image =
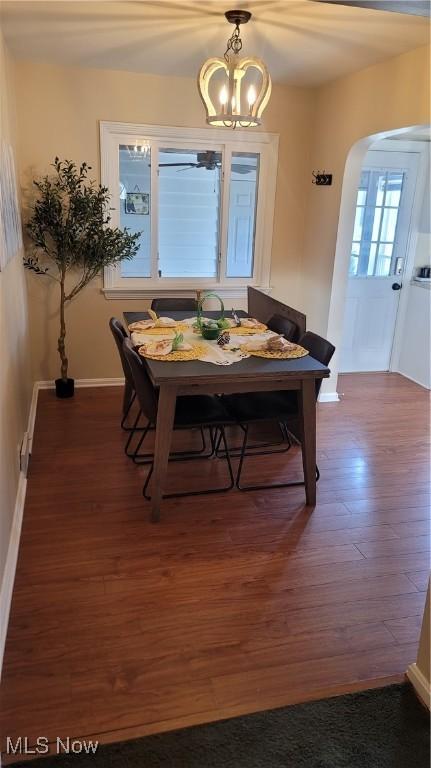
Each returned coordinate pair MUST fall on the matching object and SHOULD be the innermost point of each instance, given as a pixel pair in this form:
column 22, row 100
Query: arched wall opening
column 351, row 176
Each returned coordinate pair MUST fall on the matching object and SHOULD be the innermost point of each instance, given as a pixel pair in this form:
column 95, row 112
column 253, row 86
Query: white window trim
column 111, row 133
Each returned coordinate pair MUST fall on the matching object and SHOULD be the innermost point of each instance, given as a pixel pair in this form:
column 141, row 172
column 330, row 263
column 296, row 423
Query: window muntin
column 375, row 227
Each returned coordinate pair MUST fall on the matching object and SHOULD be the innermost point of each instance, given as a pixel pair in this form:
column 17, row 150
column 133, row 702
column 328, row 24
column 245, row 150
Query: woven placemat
column 241, row 331
column 289, row 354
column 178, row 356
column 163, row 330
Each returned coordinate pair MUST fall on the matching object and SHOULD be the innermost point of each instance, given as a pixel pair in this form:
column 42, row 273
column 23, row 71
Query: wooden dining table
column 252, row 374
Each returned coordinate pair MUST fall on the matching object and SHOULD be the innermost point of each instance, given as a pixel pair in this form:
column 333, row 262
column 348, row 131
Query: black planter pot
column 64, row 387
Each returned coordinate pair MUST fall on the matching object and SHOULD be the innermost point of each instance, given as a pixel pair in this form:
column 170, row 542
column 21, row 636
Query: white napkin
column 159, row 347
column 150, row 342
column 140, row 337
column 165, row 322
column 141, row 325
column 250, row 322
column 272, row 343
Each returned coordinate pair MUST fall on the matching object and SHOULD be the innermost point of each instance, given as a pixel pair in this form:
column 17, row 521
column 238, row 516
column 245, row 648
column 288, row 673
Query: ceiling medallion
column 239, row 82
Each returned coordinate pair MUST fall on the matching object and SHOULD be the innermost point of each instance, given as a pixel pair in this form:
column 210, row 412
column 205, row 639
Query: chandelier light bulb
column 140, row 150
column 251, row 96
column 223, row 96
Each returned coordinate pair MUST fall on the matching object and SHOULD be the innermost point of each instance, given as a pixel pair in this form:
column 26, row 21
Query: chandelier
column 244, row 84
column 140, row 151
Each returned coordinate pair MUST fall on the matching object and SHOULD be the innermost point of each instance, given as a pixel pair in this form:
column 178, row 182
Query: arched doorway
column 342, row 261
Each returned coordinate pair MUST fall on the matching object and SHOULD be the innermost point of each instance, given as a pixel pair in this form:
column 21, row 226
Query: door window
column 243, row 187
column 375, row 228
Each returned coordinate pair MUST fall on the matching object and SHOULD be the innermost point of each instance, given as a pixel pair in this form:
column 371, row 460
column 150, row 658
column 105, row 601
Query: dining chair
column 288, row 329
column 180, row 305
column 129, row 395
column 120, row 334
column 282, row 406
column 194, row 411
column 283, row 326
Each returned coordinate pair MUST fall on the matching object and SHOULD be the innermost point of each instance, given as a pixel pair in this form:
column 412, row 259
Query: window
column 203, row 202
column 375, row 228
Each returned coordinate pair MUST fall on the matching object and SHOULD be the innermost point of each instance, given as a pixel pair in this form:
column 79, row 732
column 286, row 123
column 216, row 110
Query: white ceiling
column 303, row 42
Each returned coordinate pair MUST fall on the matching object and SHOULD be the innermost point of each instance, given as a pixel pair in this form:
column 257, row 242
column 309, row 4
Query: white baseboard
column 114, row 382
column 32, row 415
column 420, row 684
column 10, row 567
column 411, row 378
column 6, row 588
column 329, row 397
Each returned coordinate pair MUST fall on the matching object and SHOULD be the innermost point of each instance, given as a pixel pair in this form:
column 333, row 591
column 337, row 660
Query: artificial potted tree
column 72, row 241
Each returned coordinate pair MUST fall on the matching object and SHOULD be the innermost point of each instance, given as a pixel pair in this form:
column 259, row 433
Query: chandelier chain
column 234, row 43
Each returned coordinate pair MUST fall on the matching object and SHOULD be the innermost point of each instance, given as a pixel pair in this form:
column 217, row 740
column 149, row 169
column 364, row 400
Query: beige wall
column 15, row 378
column 58, row 113
column 390, row 95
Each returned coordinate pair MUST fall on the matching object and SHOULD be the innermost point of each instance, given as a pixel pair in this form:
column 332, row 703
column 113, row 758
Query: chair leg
column 256, row 448
column 268, row 486
column 241, row 458
column 128, row 400
column 147, row 458
column 190, row 458
column 132, row 433
column 142, row 458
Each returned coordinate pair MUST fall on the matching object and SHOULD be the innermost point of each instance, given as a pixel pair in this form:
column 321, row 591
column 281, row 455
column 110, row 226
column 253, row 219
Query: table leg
column 308, row 422
column 164, row 426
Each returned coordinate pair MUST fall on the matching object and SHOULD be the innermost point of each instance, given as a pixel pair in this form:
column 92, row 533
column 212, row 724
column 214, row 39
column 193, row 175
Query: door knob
column 396, row 286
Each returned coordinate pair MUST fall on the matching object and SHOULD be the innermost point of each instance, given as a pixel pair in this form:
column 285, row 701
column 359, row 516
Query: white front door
column 377, row 262
column 241, row 230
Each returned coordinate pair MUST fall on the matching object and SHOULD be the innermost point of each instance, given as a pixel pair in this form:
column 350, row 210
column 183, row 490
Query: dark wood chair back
column 181, row 305
column 284, row 326
column 263, row 307
column 319, row 348
column 144, row 389
column 119, row 333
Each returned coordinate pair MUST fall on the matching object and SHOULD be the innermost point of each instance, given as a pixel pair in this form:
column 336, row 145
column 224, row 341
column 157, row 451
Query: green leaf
column 68, row 225
column 178, row 339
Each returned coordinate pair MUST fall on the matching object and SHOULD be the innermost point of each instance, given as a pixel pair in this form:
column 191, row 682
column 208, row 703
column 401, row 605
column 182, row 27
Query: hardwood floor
column 233, row 603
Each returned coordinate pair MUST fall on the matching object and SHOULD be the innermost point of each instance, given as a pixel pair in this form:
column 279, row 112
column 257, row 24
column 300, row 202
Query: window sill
column 225, row 292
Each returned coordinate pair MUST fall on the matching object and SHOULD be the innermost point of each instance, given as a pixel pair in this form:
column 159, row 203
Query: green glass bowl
column 210, row 333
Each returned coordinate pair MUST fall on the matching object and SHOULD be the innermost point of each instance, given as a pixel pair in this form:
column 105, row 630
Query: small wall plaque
column 322, row 179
